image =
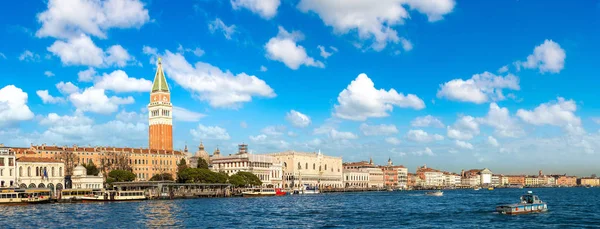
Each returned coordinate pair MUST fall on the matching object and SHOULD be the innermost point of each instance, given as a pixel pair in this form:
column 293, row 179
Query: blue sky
column 508, row 85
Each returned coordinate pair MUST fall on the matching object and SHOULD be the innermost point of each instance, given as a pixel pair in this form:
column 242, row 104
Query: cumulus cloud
column 547, row 57
column 492, row 141
column 219, row 26
column 86, row 75
column 341, row 135
column 427, row 121
column 185, row 115
column 267, row 9
column 393, row 140
column 209, row 132
column 81, row 50
column 66, row 88
column 95, row 100
column 197, row 51
column 361, row 100
column 274, row 130
column 464, row 145
column 556, row 113
column 324, row 52
column 284, row 48
column 268, row 142
column 479, row 89
column 209, row 83
column 47, row 98
column 504, row 125
column 373, row 130
column 48, row 74
column 422, row 136
column 13, row 106
column 298, row 119
column 119, row 81
column 263, row 68
column 427, row 151
column 29, row 56
column 66, row 19
column 465, row 128
column 374, row 22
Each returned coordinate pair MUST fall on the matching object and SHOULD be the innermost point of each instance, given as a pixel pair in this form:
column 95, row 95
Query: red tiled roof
column 37, row 159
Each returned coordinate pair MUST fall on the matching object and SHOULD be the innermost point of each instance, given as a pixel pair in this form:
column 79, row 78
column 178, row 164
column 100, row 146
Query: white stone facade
column 8, row 171
column 402, row 177
column 356, row 179
column 313, row 169
column 265, row 167
column 376, row 179
column 40, row 173
column 80, row 179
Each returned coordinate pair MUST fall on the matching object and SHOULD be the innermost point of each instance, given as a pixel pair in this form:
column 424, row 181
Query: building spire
column 160, row 82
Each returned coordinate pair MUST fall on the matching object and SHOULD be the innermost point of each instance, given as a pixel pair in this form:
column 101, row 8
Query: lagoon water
column 568, row 208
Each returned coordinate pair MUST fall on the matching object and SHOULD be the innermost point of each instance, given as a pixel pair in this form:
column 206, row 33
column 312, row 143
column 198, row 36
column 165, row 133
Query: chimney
column 462, row 173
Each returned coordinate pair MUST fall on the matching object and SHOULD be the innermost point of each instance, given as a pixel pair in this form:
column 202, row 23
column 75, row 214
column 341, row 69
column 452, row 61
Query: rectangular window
column 1, row 161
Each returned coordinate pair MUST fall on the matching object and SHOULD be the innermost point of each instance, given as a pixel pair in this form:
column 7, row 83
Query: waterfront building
column 451, row 179
column 160, row 110
column 496, row 180
column 354, row 178
column 588, row 181
column 534, row 181
column 564, row 180
column 391, row 174
column 516, row 180
column 376, row 174
column 402, row 177
column 314, row 169
column 412, row 180
column 504, row 180
column 36, row 172
column 201, row 153
column 267, row 168
column 145, row 163
column 359, row 165
column 429, row 177
column 471, row 178
column 80, row 179
column 7, row 168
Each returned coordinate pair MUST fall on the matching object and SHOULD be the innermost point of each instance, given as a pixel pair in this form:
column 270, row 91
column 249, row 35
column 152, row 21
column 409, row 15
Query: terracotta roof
column 38, row 159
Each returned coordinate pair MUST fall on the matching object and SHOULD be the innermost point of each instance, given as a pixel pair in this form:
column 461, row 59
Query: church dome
column 79, row 171
column 202, row 153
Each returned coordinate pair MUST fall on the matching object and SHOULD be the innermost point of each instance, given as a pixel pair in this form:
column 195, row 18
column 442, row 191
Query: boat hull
column 257, row 194
column 517, row 209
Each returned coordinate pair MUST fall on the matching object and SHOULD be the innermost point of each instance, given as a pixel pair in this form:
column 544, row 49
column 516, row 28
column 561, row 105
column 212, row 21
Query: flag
column 45, row 173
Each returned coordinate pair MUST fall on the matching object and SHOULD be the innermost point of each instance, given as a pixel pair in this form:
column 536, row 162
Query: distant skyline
column 507, row 85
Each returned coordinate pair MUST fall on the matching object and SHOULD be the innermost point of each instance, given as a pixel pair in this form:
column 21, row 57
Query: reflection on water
column 568, row 208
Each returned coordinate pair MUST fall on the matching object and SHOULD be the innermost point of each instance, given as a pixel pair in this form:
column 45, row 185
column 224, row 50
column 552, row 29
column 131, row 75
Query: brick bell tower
column 160, row 109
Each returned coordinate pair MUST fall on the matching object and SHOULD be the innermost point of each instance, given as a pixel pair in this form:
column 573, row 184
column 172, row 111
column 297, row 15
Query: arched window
column 20, row 171
column 314, row 166
column 37, row 171
column 299, row 166
column 60, row 171
column 325, row 167
column 319, row 168
column 306, row 166
column 28, row 171
column 53, row 171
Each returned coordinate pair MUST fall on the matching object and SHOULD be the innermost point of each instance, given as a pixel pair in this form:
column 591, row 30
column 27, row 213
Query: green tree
column 195, row 175
column 162, row 177
column 237, row 181
column 182, row 165
column 121, row 175
column 202, row 164
column 250, row 179
column 91, row 169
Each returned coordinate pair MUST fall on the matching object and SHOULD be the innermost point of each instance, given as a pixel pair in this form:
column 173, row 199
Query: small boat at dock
column 529, row 204
column 259, row 192
column 491, row 188
column 476, row 188
column 435, row 193
column 25, row 196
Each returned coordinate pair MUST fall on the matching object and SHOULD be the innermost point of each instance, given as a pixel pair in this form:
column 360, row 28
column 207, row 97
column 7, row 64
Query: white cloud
column 427, row 121
column 465, row 128
column 47, row 98
column 393, row 140
column 209, row 83
column 361, row 100
column 218, row 25
column 263, row 68
column 118, row 56
column 427, row 151
column 548, row 57
column 493, row 142
column 340, row 135
column 503, row 69
column 243, row 124
column 596, row 120
column 95, row 100
column 406, row 45
column 374, row 130
column 78, row 51
column 66, row 19
column 297, row 119
column 209, row 132
column 324, row 52
column 66, row 88
column 131, row 116
column 267, row 9
column 86, row 75
column 29, row 56
column 48, row 74
column 184, row 115
column 119, row 81
column 464, row 145
column 197, row 51
column 274, row 130
column 373, row 22
column 284, row 48
column 556, row 113
column 504, row 125
column 479, row 89
column 266, row 141
column 150, row 50
column 422, row 136
column 13, row 106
